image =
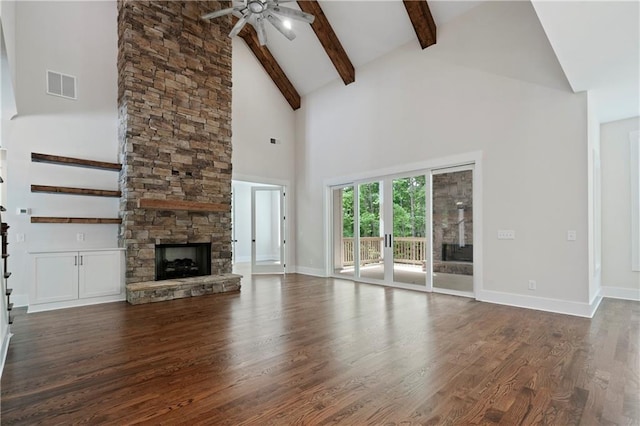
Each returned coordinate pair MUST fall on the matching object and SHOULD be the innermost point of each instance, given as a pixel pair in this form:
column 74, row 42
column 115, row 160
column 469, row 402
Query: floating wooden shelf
column 8, row 292
column 78, row 162
column 86, row 220
column 194, row 206
column 10, row 307
column 74, row 191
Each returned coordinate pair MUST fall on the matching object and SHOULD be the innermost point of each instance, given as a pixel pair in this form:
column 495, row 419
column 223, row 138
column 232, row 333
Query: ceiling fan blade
column 238, row 26
column 292, row 13
column 218, row 13
column 277, row 22
column 262, row 34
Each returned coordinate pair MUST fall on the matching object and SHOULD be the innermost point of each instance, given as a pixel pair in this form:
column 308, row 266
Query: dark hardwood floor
column 303, row 350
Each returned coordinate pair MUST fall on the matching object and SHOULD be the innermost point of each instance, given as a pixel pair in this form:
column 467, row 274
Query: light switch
column 571, row 235
column 506, row 234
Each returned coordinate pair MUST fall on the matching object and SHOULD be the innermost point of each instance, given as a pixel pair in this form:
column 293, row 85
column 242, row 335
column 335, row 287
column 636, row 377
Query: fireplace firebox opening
column 182, row 260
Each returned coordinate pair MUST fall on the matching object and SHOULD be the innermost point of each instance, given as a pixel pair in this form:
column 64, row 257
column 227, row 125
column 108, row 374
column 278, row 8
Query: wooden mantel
column 192, row 206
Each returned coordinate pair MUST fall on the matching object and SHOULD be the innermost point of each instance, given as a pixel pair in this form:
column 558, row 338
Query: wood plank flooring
column 314, row 351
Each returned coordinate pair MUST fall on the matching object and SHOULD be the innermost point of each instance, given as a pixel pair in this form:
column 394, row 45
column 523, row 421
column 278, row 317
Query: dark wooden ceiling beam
column 422, row 21
column 329, row 41
column 270, row 65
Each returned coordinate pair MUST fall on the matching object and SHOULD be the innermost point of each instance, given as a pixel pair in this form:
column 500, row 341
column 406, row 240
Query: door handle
column 385, row 240
column 81, row 260
column 75, row 260
column 253, row 241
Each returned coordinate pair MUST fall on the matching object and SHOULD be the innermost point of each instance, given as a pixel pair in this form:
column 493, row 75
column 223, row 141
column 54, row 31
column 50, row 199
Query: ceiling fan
column 255, row 12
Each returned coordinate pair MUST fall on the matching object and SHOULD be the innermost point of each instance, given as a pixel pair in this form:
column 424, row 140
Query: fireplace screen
column 182, row 260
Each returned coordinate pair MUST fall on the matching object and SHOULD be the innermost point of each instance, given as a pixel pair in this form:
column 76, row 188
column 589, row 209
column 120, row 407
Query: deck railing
column 410, row 250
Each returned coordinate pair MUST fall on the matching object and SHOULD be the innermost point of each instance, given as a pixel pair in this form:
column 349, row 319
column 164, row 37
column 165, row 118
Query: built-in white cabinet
column 74, row 278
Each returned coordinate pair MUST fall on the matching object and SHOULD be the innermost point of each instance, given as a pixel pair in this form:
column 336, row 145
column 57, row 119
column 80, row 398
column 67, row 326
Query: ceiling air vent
column 62, row 85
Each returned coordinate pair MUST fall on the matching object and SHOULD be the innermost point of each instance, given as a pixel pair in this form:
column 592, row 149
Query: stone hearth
column 174, row 99
column 159, row 291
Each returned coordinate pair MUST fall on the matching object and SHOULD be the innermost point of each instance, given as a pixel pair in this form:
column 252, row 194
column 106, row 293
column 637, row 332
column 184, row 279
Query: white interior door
column 267, row 230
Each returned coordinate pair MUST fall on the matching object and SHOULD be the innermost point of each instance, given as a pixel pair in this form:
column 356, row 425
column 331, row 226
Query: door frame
column 472, row 158
column 288, row 206
column 268, row 269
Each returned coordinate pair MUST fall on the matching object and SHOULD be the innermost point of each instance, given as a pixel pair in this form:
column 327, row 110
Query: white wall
column 259, row 113
column 618, row 280
column 77, row 38
column 413, row 106
column 8, row 20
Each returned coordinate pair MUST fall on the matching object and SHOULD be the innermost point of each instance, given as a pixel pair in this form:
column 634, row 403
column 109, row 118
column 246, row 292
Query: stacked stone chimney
column 174, row 95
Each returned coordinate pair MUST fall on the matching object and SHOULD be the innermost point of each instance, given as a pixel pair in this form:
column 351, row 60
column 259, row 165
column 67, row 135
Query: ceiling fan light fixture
column 255, row 12
column 256, row 6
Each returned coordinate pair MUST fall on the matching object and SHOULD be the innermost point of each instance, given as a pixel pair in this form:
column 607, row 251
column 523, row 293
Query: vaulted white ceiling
column 596, row 43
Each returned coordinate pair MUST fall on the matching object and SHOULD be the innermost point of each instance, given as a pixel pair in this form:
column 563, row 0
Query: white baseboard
column 75, row 303
column 5, row 349
column 242, row 259
column 620, row 293
column 314, row 272
column 541, row 303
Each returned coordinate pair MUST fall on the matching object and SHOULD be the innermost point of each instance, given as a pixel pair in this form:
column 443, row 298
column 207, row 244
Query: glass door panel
column 267, row 254
column 410, row 230
column 371, row 227
column 452, row 220
column 343, row 231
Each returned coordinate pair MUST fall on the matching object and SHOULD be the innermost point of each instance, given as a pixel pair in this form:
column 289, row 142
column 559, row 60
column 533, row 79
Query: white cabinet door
column 99, row 273
column 56, row 277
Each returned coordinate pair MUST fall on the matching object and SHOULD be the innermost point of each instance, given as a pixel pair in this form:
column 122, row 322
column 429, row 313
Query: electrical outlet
column 506, row 234
column 20, row 238
column 80, row 236
column 532, row 285
column 571, row 235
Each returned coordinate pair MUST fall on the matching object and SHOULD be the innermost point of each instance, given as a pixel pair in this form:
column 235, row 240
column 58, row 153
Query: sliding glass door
column 370, row 222
column 412, row 230
column 452, row 216
column 409, row 234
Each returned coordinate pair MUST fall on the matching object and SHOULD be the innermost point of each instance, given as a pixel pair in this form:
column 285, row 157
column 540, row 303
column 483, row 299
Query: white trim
column 620, row 293
column 468, row 161
column 289, row 203
column 634, row 150
column 314, row 272
column 450, row 292
column 404, row 169
column 5, row 349
column 541, row 303
column 259, row 180
column 75, row 303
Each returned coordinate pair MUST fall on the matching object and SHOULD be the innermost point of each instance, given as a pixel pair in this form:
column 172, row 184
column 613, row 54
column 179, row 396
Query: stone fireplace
column 174, row 99
column 182, row 260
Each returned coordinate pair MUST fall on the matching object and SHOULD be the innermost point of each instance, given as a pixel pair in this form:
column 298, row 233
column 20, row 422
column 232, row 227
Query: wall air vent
column 62, row 85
